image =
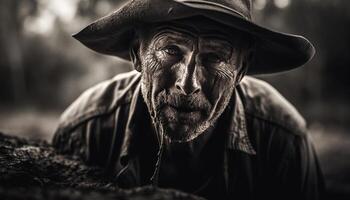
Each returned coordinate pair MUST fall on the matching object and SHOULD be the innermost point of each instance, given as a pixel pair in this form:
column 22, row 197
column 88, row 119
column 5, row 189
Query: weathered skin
column 189, row 71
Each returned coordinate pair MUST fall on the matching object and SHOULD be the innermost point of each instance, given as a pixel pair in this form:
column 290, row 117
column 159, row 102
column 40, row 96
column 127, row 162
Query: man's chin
column 176, row 132
column 181, row 126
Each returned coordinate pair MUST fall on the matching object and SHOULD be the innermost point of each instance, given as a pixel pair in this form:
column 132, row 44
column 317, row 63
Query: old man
column 188, row 117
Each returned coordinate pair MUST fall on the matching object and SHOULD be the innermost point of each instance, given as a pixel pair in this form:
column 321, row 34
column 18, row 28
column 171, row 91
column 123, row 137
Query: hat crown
column 242, row 7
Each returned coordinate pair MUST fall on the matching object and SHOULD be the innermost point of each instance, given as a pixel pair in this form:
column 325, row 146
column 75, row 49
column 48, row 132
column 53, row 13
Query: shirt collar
column 237, row 131
column 131, row 126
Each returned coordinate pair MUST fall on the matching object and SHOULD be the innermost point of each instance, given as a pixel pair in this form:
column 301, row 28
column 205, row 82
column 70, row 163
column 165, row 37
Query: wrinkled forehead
column 198, row 27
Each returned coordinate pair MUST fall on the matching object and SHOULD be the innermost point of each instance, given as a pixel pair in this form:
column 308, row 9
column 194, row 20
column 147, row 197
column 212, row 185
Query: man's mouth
column 184, row 114
column 185, row 109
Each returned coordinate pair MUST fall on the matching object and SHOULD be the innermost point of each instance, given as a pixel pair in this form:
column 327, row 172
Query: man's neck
column 193, row 162
column 191, row 149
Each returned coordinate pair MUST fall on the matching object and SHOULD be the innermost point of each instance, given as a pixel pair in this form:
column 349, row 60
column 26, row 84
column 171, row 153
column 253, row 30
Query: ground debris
column 34, row 170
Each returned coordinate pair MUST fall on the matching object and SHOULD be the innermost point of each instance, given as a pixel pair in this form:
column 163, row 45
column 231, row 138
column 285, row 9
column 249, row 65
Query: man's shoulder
column 265, row 103
column 101, row 99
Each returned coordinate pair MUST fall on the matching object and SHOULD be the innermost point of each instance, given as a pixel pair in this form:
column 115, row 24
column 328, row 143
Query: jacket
column 267, row 151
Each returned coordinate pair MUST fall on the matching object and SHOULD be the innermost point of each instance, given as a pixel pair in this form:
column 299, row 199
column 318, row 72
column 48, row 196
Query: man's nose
column 187, row 81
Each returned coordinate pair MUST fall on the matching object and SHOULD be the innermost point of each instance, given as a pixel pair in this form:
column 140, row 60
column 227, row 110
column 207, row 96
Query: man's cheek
column 216, row 87
column 156, row 83
column 153, row 70
column 165, row 77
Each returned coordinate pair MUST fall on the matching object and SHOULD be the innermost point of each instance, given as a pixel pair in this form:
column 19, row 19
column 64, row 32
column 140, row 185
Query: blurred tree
column 12, row 77
column 320, row 89
column 39, row 58
column 327, row 23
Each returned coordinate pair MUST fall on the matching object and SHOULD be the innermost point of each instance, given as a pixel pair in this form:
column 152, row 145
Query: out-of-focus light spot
column 259, row 4
column 282, row 3
column 49, row 11
column 103, row 7
column 63, row 9
column 40, row 25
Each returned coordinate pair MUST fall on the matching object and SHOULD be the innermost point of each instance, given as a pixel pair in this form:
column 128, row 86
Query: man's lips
column 185, row 109
column 182, row 114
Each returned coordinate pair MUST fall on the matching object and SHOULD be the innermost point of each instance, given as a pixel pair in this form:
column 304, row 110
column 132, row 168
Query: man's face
column 189, row 71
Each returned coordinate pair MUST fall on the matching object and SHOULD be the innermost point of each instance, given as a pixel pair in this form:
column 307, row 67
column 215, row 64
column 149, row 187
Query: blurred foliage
column 320, row 89
column 42, row 66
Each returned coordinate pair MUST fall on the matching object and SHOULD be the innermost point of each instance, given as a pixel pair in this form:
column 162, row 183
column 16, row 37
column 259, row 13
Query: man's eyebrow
column 217, row 43
column 220, row 36
column 176, row 34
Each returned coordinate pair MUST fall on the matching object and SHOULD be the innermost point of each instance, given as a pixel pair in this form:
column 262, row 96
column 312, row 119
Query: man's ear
column 134, row 56
column 247, row 59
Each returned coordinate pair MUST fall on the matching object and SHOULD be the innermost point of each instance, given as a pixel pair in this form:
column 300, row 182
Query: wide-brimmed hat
column 275, row 51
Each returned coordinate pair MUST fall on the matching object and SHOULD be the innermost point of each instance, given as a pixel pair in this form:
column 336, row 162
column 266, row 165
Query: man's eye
column 172, row 50
column 212, row 58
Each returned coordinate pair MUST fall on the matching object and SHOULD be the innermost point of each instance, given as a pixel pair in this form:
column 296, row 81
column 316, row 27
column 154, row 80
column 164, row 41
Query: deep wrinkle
column 214, row 43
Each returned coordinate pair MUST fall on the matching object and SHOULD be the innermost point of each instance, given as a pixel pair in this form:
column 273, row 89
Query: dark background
column 43, row 69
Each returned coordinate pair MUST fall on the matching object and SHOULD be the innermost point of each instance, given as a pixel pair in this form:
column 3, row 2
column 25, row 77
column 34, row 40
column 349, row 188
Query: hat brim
column 275, row 51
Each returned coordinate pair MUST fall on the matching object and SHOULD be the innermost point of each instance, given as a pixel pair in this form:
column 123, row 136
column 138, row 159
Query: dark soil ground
column 33, row 170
